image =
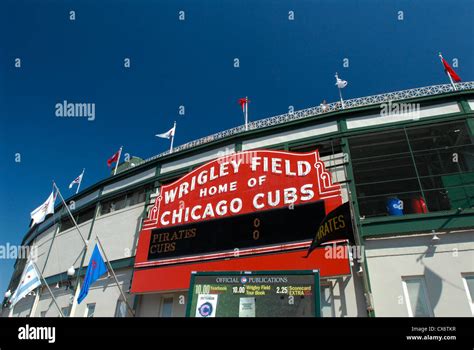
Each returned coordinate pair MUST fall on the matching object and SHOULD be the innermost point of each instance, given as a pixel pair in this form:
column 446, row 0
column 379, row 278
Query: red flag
column 450, row 71
column 114, row 158
column 243, row 102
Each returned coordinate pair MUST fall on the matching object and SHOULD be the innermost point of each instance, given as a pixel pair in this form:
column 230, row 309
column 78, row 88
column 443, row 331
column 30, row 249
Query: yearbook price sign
column 254, row 294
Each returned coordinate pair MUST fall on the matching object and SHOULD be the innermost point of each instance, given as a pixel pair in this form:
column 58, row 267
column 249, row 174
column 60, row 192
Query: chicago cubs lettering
column 198, row 194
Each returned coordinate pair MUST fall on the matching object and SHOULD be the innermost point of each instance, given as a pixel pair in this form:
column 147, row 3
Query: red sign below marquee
column 177, row 277
column 242, row 183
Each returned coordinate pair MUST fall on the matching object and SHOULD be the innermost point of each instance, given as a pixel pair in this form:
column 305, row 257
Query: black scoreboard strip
column 276, row 226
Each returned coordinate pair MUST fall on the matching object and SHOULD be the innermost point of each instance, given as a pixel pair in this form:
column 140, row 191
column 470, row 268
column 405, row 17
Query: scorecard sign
column 233, row 203
column 254, row 294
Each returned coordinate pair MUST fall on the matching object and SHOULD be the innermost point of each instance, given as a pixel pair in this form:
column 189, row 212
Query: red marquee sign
column 242, row 183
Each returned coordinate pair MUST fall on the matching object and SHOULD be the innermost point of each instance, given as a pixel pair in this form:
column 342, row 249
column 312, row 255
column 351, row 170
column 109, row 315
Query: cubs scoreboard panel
column 288, row 224
column 254, row 294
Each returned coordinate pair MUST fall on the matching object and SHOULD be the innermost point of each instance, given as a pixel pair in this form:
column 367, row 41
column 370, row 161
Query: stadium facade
column 405, row 160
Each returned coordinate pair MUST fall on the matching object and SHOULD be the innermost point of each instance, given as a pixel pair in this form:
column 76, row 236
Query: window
column 136, row 197
column 327, row 301
column 444, row 158
column 86, row 215
column 65, row 310
column 166, row 307
column 114, row 204
column 468, row 281
column 125, row 200
column 325, row 148
column 416, row 297
column 67, row 223
column 90, row 310
column 80, row 217
column 121, row 309
column 414, row 170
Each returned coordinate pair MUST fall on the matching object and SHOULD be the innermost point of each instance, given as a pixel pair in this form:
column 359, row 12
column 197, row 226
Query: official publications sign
column 254, row 294
column 234, row 203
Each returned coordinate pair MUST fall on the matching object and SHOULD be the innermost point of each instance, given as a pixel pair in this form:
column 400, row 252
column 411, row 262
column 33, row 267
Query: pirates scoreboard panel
column 277, row 226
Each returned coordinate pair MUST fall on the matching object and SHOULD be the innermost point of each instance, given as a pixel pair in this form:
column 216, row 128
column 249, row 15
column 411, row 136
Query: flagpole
column 78, row 278
column 172, row 137
column 47, row 286
column 246, row 113
column 70, row 214
column 79, row 185
column 35, row 304
column 340, row 96
column 56, row 230
column 447, row 73
column 118, row 160
column 340, row 93
column 113, row 274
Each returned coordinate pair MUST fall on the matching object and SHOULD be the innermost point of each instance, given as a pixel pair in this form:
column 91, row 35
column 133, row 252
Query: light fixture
column 8, row 294
column 71, row 271
column 435, row 237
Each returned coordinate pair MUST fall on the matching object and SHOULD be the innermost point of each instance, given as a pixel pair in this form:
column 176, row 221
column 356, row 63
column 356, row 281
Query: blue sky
column 282, row 63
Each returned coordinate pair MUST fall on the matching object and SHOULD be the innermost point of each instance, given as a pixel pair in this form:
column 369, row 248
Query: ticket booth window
column 469, row 286
column 167, row 307
column 121, row 309
column 416, row 297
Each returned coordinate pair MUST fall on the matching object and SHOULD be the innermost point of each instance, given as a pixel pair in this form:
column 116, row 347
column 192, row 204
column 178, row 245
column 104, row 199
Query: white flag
column 29, row 281
column 77, row 180
column 168, row 134
column 341, row 84
column 39, row 214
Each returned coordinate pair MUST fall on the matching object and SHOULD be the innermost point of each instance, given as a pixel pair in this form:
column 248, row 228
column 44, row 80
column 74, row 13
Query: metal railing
column 313, row 111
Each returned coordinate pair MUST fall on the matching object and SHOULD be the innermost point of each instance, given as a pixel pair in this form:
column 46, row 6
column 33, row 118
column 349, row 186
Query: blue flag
column 95, row 269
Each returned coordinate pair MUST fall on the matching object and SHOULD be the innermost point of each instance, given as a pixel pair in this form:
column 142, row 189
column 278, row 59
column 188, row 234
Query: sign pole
column 340, row 93
column 447, row 73
column 172, row 137
column 118, row 160
column 246, row 113
column 358, row 242
column 79, row 184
